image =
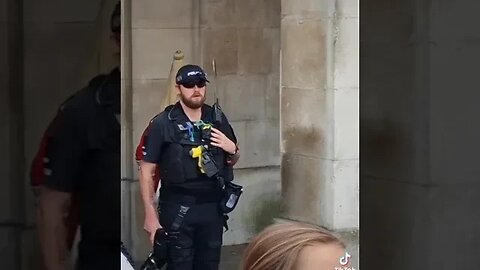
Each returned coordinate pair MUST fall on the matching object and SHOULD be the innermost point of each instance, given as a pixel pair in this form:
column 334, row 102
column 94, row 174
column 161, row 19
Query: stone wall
column 244, row 38
column 319, row 112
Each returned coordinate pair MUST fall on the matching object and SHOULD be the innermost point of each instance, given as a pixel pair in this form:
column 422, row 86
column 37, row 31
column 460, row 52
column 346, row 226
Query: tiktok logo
column 345, row 259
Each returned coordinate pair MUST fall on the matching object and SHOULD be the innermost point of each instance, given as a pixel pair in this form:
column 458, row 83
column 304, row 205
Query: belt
column 179, row 195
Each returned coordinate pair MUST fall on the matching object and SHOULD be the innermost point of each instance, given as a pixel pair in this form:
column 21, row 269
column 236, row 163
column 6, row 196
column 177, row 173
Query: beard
column 193, row 102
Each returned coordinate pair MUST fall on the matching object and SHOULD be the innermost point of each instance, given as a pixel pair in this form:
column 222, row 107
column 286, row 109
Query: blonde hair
column 278, row 246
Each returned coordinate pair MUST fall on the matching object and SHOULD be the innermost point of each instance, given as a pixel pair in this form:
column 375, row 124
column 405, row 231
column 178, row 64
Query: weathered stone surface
column 347, row 8
column 140, row 241
column 221, row 44
column 309, row 134
column 308, row 8
column 262, row 144
column 254, row 51
column 346, row 120
column 242, row 97
column 153, row 49
column 162, row 14
column 272, row 97
column 250, row 13
column 347, row 54
column 147, row 98
column 346, row 200
column 307, row 189
column 259, row 205
column 304, row 54
column 217, row 13
column 272, row 13
column 273, row 34
column 125, row 215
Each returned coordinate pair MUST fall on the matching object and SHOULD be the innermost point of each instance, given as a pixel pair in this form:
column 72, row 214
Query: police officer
column 195, row 151
column 82, row 159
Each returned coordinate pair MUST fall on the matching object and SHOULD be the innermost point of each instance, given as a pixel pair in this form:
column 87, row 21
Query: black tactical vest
column 177, row 166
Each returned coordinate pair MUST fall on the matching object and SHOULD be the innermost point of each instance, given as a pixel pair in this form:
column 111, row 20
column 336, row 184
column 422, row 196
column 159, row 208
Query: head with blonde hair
column 293, row 245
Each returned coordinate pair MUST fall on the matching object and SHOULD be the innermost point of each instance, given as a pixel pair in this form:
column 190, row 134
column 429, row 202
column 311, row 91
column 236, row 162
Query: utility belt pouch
column 232, row 193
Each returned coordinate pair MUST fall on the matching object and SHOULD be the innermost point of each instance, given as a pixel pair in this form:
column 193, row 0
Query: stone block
column 308, row 8
column 346, row 200
column 242, row 97
column 347, row 8
column 347, row 54
column 153, row 49
column 306, row 122
column 261, row 147
column 250, row 13
column 240, row 129
column 272, row 97
column 147, row 99
column 217, row 13
column 272, row 9
column 307, row 187
column 304, row 54
column 125, row 215
column 346, row 119
column 162, row 14
column 254, row 51
column 221, row 44
column 273, row 34
column 140, row 240
column 259, row 205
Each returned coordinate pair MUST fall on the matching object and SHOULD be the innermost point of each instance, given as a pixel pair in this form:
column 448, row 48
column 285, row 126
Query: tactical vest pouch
column 231, row 197
column 171, row 166
column 209, row 165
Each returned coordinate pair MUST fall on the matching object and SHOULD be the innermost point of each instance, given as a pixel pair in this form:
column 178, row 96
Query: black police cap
column 190, row 73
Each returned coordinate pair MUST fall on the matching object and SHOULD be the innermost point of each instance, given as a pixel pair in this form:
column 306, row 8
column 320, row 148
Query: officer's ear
column 178, row 89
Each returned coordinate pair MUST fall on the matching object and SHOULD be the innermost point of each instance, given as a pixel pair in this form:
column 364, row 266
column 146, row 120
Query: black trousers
column 196, row 244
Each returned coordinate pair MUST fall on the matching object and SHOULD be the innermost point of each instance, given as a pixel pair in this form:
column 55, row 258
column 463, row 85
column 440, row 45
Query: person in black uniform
column 83, row 159
column 195, row 150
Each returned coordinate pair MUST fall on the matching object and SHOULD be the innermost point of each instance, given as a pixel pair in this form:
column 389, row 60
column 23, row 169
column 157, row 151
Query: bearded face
column 193, row 94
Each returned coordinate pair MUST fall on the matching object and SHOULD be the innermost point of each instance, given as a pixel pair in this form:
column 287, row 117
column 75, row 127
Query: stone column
column 319, row 112
column 126, row 115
